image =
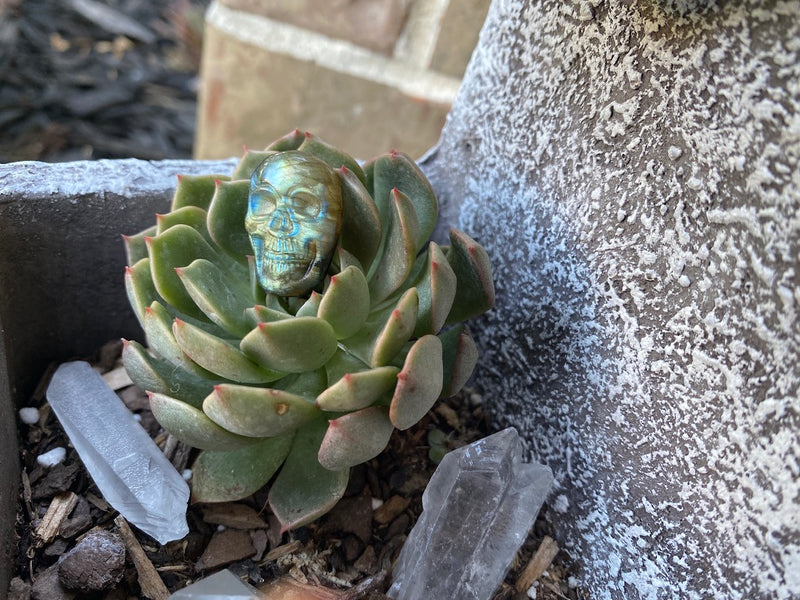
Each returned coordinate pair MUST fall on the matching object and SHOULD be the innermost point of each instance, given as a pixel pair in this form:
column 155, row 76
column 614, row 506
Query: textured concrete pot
column 61, row 284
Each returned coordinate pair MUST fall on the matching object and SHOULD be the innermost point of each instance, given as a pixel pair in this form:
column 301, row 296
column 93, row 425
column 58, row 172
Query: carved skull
column 293, row 219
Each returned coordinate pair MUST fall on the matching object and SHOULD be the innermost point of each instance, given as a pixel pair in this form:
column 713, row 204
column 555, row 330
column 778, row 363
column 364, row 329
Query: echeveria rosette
column 301, row 389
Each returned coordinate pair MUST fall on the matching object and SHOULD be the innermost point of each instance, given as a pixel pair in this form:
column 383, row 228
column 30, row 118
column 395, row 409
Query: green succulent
column 300, row 389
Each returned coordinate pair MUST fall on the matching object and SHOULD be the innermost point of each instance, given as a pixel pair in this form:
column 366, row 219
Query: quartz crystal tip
column 129, row 469
column 219, row 586
column 477, row 511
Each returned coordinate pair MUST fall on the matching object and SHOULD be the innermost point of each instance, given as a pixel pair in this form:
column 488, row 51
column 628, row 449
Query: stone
column 219, row 586
column 52, row 457
column 130, row 471
column 96, row 563
column 29, row 415
column 476, row 512
column 19, row 590
column 48, row 587
column 666, row 405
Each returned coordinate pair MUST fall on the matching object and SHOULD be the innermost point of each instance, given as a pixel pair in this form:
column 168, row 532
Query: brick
column 251, row 95
column 374, row 24
column 458, row 36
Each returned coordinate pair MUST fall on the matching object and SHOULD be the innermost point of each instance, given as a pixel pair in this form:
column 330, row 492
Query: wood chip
column 224, row 548
column 287, row 588
column 117, row 378
column 233, row 514
column 538, row 564
column 276, row 553
column 389, row 510
column 149, row 580
column 57, row 512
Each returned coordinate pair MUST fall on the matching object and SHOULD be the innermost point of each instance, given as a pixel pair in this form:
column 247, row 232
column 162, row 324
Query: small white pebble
column 674, row 152
column 684, row 281
column 221, row 528
column 533, row 590
column 52, row 457
column 137, row 417
column 29, row 415
column 476, row 399
column 187, row 474
column 376, row 503
column 572, row 582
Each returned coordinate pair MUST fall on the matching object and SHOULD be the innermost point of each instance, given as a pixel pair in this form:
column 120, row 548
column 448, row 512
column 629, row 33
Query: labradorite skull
column 293, row 219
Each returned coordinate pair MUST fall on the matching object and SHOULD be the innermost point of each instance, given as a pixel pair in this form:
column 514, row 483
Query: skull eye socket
column 262, row 203
column 305, row 204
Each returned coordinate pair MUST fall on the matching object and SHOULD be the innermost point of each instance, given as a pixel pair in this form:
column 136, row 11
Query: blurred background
column 155, row 79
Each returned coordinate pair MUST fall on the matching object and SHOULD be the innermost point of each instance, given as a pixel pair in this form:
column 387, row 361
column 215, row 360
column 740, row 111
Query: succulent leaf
column 398, row 248
column 160, row 376
column 386, row 332
column 304, row 490
column 222, row 299
column 291, row 345
column 335, row 158
column 398, row 171
column 437, row 291
column 222, row 476
column 225, row 217
column 310, row 306
column 257, row 412
column 218, row 356
column 475, row 290
column 361, row 226
column 139, row 287
column 291, row 141
column 135, row 245
column 157, row 327
column 345, row 304
column 355, row 438
column 192, row 216
column 177, row 247
column 357, row 390
column 459, row 357
column 192, row 426
column 195, row 190
column 250, row 160
column 418, row 384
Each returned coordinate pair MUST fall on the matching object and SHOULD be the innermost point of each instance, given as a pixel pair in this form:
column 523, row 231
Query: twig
column 538, row 564
column 58, row 510
column 375, row 583
column 149, row 580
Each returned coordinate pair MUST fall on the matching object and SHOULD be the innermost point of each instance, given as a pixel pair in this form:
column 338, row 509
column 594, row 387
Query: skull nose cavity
column 283, row 223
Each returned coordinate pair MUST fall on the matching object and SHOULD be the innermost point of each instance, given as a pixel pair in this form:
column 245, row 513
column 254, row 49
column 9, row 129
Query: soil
column 350, row 548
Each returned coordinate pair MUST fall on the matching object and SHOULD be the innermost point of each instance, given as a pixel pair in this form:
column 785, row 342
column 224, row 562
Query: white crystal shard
column 477, row 511
column 220, row 586
column 131, row 472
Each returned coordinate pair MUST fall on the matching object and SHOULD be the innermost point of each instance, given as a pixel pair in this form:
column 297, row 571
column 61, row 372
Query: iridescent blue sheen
column 293, row 219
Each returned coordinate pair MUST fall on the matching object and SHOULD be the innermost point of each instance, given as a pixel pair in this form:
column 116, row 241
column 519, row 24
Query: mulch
column 351, row 548
column 84, row 79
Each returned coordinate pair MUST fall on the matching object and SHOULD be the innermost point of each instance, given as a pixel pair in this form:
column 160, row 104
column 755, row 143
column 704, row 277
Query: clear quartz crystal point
column 220, row 586
column 131, row 472
column 477, row 511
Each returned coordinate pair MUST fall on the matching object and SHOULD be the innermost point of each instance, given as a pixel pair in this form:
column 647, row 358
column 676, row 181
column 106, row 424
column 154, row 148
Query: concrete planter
column 61, row 266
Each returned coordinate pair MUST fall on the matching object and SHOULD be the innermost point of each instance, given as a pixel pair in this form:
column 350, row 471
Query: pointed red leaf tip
column 128, row 271
column 179, row 271
column 125, row 238
column 434, row 265
column 125, row 343
column 245, row 149
column 148, row 310
column 307, row 134
column 344, row 170
column 148, row 239
column 394, row 153
column 149, row 395
column 333, row 280
column 262, row 326
column 181, row 177
column 217, row 182
column 178, row 322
